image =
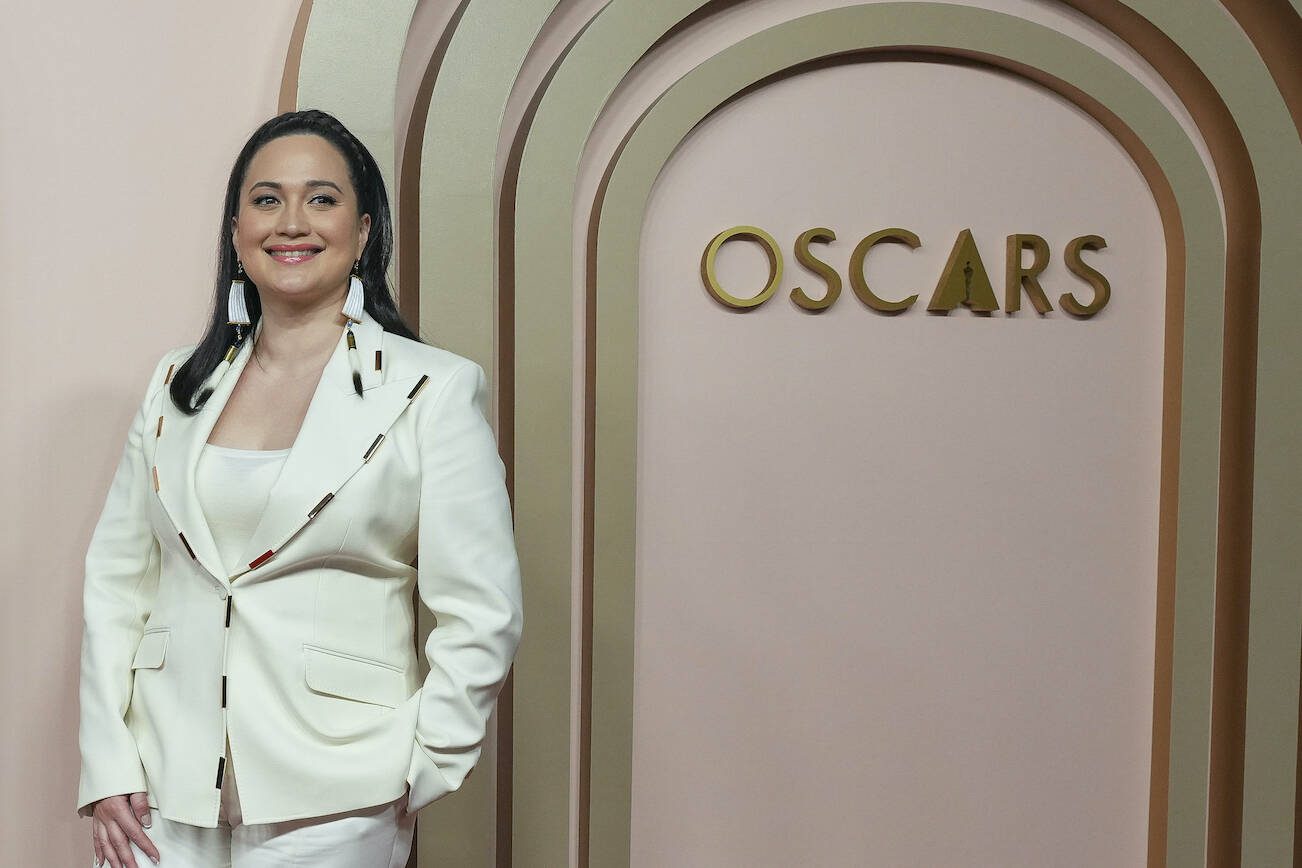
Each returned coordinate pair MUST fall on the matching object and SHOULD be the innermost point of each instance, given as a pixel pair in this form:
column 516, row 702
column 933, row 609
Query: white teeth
column 292, row 254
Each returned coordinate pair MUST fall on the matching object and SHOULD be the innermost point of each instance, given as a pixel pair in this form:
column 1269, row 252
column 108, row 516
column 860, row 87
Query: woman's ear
column 363, row 233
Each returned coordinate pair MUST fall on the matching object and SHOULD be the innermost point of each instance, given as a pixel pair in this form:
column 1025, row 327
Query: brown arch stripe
column 1238, row 412
column 288, row 101
column 1275, row 30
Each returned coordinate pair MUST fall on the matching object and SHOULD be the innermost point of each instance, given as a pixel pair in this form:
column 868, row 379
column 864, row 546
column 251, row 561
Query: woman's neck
column 296, row 343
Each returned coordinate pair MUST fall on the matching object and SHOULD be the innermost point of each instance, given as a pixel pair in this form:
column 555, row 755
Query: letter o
column 711, row 281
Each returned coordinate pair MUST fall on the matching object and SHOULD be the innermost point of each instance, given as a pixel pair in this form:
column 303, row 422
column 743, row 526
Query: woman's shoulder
column 455, row 385
column 164, row 369
column 407, row 358
column 170, row 361
column 179, row 354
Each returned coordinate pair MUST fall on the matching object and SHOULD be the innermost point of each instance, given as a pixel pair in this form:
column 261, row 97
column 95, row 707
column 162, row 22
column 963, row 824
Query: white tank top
column 232, row 486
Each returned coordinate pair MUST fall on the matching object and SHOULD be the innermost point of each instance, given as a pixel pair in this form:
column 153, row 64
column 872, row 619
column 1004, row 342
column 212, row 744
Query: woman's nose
column 293, row 219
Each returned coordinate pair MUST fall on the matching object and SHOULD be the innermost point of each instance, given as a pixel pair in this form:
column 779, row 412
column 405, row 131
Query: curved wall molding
column 527, row 100
column 288, row 100
column 701, row 35
column 834, row 38
column 432, row 28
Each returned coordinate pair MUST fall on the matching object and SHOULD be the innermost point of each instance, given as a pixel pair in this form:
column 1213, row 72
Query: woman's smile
column 292, row 254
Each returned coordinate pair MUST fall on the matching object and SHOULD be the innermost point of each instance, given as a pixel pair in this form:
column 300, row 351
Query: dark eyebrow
column 313, row 182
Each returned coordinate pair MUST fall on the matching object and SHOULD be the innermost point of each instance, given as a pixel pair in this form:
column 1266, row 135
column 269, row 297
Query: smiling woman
column 264, row 520
column 302, row 203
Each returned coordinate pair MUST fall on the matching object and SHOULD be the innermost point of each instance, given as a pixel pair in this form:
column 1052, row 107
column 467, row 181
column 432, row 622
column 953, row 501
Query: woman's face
column 297, row 231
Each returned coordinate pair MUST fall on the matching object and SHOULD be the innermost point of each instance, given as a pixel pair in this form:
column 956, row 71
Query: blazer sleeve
column 468, row 576
column 121, row 578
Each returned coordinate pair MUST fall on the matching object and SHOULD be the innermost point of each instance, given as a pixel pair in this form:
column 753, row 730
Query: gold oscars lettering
column 963, row 281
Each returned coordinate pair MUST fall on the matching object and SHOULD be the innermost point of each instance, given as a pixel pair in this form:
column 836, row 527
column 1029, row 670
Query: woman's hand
column 115, row 824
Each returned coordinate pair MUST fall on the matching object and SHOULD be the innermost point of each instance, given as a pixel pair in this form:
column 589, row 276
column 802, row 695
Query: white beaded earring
column 237, row 314
column 353, row 307
column 355, row 299
column 237, row 307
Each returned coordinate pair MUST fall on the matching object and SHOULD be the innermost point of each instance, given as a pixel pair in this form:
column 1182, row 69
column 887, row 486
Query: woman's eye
column 324, row 198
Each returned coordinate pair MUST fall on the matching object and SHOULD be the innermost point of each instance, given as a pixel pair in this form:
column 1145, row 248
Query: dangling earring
column 237, row 306
column 353, row 307
column 237, row 314
column 355, row 300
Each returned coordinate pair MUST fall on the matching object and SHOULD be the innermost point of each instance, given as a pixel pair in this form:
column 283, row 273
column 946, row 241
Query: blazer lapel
column 341, row 432
column 176, row 456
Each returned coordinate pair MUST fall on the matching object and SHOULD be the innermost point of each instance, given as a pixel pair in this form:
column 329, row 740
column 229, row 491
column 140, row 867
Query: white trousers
column 374, row 837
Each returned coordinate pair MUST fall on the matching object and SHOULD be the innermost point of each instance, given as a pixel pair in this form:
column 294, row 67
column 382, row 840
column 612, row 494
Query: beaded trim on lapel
column 341, row 433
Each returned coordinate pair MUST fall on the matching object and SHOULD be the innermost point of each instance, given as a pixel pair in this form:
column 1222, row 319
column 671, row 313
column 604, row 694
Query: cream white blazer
column 305, row 653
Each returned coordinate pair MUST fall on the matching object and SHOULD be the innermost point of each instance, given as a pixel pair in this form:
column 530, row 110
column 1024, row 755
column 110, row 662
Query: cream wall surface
column 119, row 125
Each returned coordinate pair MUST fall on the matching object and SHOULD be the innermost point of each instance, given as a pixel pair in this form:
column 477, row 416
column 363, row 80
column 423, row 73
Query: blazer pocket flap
column 353, row 677
column 151, row 650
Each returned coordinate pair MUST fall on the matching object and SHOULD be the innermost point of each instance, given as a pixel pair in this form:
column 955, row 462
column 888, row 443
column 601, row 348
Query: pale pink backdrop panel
column 896, row 576
column 120, row 124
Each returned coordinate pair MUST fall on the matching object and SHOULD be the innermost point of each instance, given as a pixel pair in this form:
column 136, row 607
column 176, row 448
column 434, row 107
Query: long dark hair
column 371, row 199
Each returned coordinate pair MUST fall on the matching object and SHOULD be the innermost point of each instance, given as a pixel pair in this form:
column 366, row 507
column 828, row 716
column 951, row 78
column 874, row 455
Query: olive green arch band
column 497, row 267
column 1189, row 209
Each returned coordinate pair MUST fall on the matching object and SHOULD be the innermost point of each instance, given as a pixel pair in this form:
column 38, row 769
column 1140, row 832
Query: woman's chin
column 293, row 293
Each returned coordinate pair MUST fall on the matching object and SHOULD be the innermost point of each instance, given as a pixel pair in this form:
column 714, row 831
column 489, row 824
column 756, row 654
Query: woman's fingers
column 140, row 807
column 101, row 848
column 134, row 828
column 136, row 833
column 119, row 847
column 107, row 854
column 120, row 824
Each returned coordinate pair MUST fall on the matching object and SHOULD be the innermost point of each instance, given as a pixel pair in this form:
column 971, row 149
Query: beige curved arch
column 620, row 455
column 571, row 96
